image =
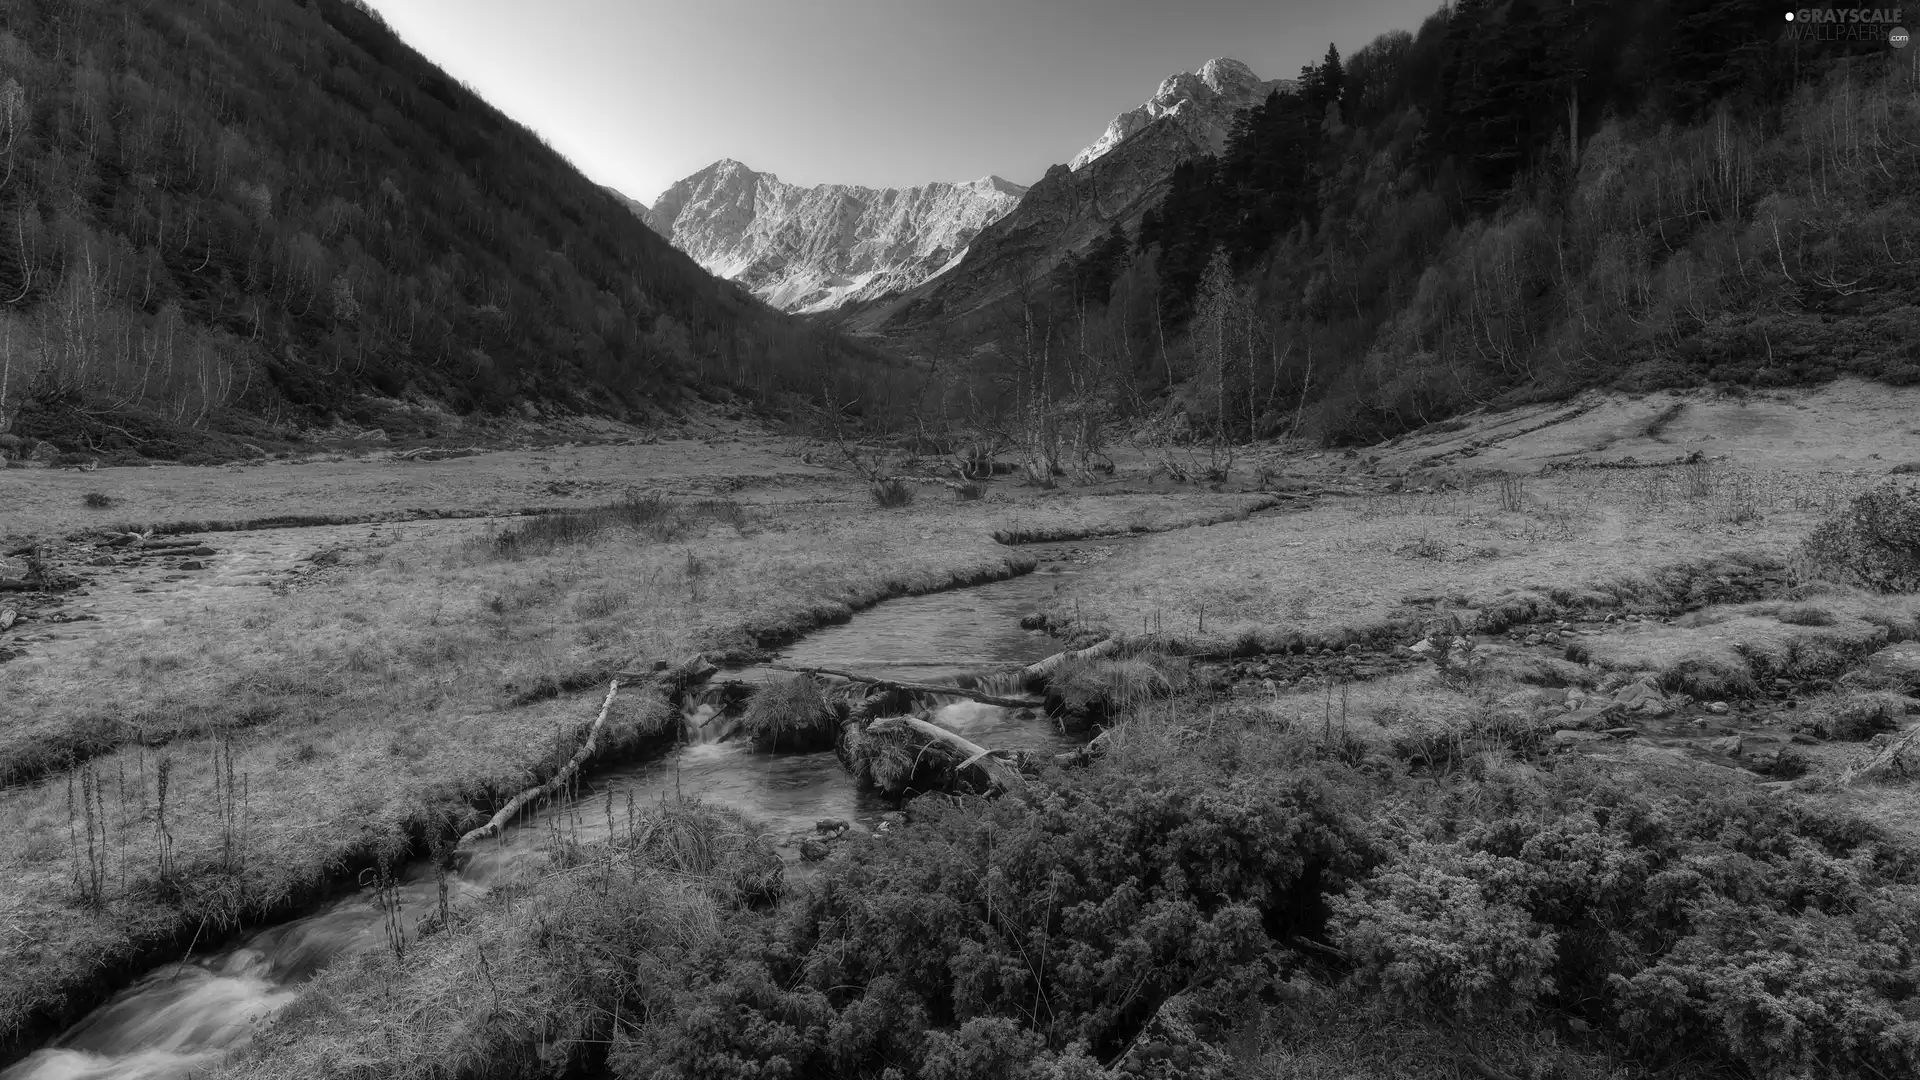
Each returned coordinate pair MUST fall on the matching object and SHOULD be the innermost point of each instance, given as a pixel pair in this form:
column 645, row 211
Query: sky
column 884, row 93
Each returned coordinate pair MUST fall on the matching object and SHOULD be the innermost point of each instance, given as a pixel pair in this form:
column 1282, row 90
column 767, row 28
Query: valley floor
column 201, row 734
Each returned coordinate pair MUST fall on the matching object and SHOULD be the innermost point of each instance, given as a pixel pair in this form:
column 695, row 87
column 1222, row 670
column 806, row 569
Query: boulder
column 1895, row 668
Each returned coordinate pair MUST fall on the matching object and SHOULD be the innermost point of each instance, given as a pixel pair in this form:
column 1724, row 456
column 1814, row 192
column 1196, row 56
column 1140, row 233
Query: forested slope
column 250, row 214
column 1520, row 199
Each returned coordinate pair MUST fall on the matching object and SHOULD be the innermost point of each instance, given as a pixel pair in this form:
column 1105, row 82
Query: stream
column 185, row 1016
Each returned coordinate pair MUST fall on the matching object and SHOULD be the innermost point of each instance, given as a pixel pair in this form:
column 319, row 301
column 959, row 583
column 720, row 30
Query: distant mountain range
column 806, row 249
column 881, row 256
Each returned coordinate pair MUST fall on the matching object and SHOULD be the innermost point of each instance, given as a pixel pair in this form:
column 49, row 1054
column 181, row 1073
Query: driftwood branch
column 520, row 801
column 914, row 687
column 1003, row 775
column 1051, row 664
column 1886, row 760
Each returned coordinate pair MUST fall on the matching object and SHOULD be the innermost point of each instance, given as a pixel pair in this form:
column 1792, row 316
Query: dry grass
column 428, row 678
column 49, row 501
column 1340, row 568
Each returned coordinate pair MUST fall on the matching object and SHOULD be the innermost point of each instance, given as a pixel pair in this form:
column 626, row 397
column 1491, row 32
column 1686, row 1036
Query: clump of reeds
column 891, row 494
column 791, row 714
column 651, row 517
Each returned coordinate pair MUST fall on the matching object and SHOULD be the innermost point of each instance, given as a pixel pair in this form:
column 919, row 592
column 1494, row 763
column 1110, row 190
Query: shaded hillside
column 219, row 209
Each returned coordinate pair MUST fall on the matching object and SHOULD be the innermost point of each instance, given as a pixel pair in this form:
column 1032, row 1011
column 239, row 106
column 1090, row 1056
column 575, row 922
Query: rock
column 1620, row 733
column 1566, row 737
column 1035, row 621
column 13, row 569
column 1718, row 708
column 1534, row 639
column 193, row 564
column 8, row 617
column 1421, row 647
column 1896, row 668
column 1593, row 717
column 103, row 560
column 814, row 850
column 830, row 826
column 1805, row 739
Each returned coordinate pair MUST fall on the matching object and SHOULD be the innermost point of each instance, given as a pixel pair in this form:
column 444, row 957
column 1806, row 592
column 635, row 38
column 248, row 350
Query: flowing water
column 183, row 1017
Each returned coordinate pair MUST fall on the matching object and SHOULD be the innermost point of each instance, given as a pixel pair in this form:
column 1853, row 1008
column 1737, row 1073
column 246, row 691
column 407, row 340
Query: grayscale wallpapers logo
column 1849, row 24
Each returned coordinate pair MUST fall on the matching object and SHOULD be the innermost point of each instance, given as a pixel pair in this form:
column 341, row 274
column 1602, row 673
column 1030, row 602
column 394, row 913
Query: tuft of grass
column 894, row 494
column 1097, row 691
column 1806, row 615
column 96, row 500
column 1854, row 717
column 1706, row 677
column 969, row 491
column 791, row 714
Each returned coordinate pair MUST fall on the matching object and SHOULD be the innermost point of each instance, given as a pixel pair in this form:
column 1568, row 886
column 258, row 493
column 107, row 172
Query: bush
column 1874, row 543
column 791, row 714
column 961, row 944
column 1444, row 933
column 892, row 494
column 1760, row 933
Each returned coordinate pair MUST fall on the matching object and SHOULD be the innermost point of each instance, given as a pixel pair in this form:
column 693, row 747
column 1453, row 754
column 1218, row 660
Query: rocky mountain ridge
column 808, row 249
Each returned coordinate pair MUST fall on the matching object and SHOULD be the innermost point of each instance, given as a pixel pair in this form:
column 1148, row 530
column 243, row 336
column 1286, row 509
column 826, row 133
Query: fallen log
column 914, row 687
column 519, row 802
column 1047, row 667
column 1004, row 776
column 1886, row 761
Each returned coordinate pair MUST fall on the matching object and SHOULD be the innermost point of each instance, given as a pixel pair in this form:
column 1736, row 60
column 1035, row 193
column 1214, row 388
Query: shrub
column 1873, row 543
column 1765, row 934
column 969, row 491
column 791, row 714
column 1444, row 934
column 981, row 931
column 891, row 494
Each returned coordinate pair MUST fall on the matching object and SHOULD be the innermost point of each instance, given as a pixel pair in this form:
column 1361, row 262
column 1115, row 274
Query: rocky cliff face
column 1201, row 103
column 808, row 249
column 1117, row 178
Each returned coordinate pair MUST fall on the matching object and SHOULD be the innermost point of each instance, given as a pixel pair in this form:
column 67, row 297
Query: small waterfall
column 705, row 715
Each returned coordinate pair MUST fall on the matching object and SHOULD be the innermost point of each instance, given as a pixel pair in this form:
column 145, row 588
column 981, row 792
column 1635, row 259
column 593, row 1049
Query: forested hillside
column 264, row 215
column 1518, row 199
